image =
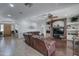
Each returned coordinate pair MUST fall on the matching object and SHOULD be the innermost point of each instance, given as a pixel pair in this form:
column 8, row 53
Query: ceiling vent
column 20, row 12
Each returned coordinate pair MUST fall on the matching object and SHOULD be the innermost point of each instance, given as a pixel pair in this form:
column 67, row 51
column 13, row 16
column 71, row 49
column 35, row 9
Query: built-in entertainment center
column 58, row 28
column 58, row 31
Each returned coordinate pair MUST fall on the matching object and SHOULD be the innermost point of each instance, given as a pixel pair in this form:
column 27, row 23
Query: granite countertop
column 42, row 37
column 27, row 34
column 39, row 37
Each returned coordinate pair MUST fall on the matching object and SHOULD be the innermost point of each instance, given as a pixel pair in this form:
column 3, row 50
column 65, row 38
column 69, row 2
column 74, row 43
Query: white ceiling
column 37, row 8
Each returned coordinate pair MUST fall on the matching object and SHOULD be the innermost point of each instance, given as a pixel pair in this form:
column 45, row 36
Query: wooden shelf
column 73, row 23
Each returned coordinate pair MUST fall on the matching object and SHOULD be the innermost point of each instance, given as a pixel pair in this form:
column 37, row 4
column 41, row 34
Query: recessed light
column 11, row 5
column 9, row 15
column 34, row 24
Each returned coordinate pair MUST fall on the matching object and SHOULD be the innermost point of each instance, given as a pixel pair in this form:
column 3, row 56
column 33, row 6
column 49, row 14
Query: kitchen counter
column 45, row 46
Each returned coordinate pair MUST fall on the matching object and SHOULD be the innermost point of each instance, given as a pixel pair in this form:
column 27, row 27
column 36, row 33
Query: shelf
column 76, row 46
column 73, row 23
column 72, row 29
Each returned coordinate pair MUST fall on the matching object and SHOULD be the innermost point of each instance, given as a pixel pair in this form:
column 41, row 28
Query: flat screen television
column 74, row 19
column 57, row 33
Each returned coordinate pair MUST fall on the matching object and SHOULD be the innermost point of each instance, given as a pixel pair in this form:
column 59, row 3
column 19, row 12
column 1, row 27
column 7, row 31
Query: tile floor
column 16, row 47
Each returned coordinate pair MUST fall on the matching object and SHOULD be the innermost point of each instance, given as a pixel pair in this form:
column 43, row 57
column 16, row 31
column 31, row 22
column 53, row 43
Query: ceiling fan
column 28, row 4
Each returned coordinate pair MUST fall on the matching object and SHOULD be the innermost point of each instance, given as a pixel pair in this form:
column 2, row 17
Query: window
column 1, row 27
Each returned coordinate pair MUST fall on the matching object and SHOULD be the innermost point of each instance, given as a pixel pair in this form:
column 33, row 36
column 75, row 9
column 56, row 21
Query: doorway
column 7, row 30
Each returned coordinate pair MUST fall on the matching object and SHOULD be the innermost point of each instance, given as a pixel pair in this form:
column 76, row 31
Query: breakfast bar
column 46, row 46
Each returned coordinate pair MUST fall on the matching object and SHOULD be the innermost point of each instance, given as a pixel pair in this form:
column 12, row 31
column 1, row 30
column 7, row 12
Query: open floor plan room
column 39, row 29
column 16, row 47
